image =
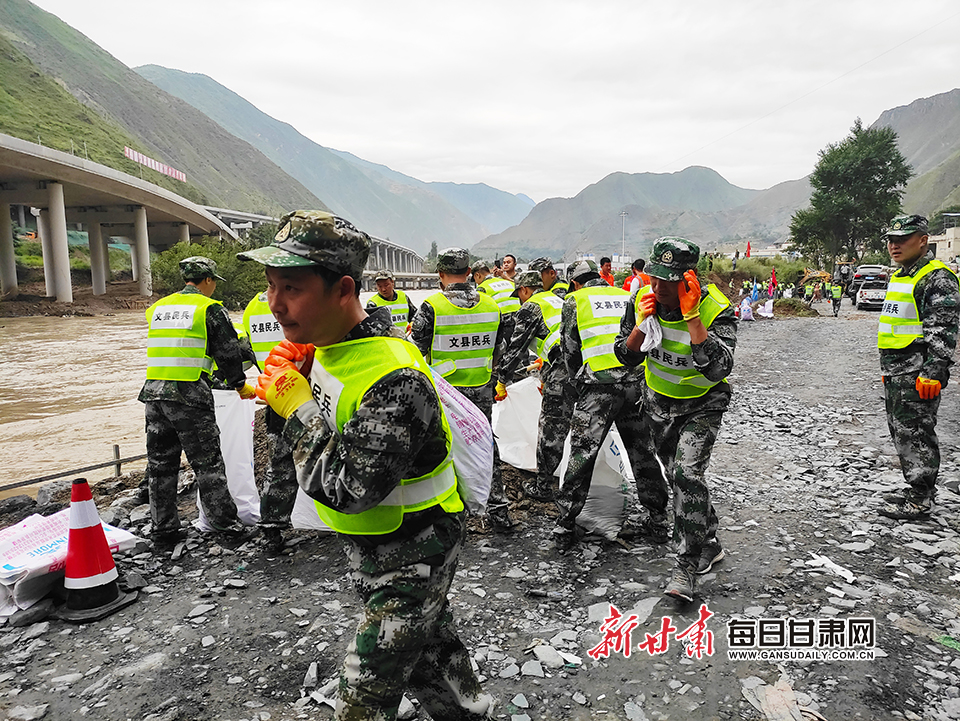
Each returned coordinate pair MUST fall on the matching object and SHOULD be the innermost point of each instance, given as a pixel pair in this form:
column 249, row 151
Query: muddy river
column 68, row 393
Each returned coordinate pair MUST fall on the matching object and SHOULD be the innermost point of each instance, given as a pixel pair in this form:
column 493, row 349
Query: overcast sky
column 545, row 98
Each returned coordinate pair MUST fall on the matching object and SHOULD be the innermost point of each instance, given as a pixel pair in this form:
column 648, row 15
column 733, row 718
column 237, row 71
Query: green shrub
column 243, row 279
column 30, row 261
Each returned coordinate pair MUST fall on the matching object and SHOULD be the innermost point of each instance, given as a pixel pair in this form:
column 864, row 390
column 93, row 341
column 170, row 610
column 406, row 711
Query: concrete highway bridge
column 60, row 189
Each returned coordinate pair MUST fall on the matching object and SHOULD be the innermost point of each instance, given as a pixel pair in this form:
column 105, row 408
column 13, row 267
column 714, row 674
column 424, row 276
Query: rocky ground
column 797, row 473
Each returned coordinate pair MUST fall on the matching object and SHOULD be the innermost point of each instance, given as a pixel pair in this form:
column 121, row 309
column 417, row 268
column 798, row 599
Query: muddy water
column 68, row 393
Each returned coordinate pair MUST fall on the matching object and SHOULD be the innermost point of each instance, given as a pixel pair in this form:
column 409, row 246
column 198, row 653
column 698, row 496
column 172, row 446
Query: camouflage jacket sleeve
column 626, row 356
column 714, row 357
column 527, row 325
column 223, row 346
column 422, row 332
column 411, row 310
column 395, row 433
column 570, row 337
column 938, row 302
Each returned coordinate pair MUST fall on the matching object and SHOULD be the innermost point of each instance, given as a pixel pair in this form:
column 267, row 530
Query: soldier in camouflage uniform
column 685, row 395
column 370, row 438
column 453, row 265
column 480, row 270
column 387, row 295
column 607, row 392
column 535, row 329
column 917, row 338
column 188, row 332
column 549, row 278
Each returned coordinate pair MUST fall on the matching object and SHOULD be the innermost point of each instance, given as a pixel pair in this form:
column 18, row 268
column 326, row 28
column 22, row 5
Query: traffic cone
column 91, row 574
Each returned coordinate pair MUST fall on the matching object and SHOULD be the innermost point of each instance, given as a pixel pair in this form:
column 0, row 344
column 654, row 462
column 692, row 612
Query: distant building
column 948, row 244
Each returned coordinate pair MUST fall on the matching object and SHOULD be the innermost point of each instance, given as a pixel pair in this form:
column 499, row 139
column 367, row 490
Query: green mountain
column 376, row 198
column 695, row 203
column 928, row 132
column 225, row 170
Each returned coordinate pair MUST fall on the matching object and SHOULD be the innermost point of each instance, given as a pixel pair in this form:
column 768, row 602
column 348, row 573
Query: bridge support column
column 133, row 260
column 144, row 279
column 8, row 260
column 22, row 215
column 61, row 249
column 46, row 249
column 98, row 278
column 185, row 233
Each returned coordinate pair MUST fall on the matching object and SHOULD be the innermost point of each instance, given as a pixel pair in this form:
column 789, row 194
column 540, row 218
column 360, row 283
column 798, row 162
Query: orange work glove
column 537, row 364
column 501, row 392
column 409, row 328
column 689, row 292
column 296, row 353
column 646, row 306
column 247, row 392
column 284, row 389
column 928, row 389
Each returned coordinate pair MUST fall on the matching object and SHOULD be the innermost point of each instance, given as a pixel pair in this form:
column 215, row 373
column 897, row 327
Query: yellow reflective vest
column 668, row 367
column 900, row 322
column 551, row 306
column 177, row 339
column 263, row 329
column 399, row 308
column 599, row 311
column 464, row 340
column 340, row 376
column 501, row 290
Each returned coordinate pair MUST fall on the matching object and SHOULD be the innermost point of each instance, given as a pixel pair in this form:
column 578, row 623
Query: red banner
column 154, row 164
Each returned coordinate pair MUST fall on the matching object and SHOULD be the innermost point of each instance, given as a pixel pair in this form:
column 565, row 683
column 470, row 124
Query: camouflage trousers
column 555, row 412
column 683, row 445
column 280, row 485
column 913, row 428
column 406, row 640
column 597, row 408
column 172, row 427
column 498, row 505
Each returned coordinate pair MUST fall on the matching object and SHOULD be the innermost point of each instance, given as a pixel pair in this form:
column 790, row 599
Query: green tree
column 858, row 185
column 938, row 223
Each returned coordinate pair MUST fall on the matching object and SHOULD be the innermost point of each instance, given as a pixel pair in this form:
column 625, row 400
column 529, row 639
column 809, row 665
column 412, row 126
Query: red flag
column 748, row 249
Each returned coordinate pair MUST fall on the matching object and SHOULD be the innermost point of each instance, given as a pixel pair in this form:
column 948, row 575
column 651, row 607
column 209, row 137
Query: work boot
column 539, row 491
column 683, row 584
column 166, row 540
column 564, row 540
column 653, row 526
column 710, row 553
column 235, row 535
column 910, row 508
column 272, row 538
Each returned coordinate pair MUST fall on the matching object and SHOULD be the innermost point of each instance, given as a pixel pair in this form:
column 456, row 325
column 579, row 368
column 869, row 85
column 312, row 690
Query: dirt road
column 797, row 473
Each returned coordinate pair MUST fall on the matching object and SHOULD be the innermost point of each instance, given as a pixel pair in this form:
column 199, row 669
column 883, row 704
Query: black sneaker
column 710, row 554
column 682, row 585
column 166, row 540
column 908, row 509
column 272, row 538
column 653, row 526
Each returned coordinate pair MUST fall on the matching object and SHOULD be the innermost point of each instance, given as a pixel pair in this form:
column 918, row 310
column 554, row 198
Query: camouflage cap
column 480, row 265
column 196, row 267
column 671, row 258
column 582, row 268
column 384, row 275
column 570, row 268
column 541, row 264
column 527, row 279
column 453, row 260
column 907, row 225
column 315, row 237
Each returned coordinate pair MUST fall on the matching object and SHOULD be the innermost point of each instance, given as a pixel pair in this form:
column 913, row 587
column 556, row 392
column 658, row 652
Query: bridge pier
column 61, row 248
column 99, row 265
column 144, row 279
column 46, row 250
column 185, row 233
column 8, row 260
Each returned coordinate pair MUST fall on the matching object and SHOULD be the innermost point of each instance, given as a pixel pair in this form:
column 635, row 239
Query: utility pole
column 623, row 233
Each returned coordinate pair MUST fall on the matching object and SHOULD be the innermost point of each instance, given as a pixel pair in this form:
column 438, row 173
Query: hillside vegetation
column 227, row 171
column 33, row 107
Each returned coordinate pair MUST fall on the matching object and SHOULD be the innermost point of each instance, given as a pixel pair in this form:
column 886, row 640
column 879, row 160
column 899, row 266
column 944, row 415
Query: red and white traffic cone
column 91, row 574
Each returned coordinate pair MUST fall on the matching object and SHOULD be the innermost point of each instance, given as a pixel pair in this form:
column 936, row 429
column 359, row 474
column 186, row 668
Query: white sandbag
column 305, row 514
column 235, row 420
column 472, row 445
column 33, row 554
column 746, row 311
column 516, row 420
column 766, row 310
column 608, row 502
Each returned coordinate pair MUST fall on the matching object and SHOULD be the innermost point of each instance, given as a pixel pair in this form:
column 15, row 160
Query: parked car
column 865, row 273
column 871, row 294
